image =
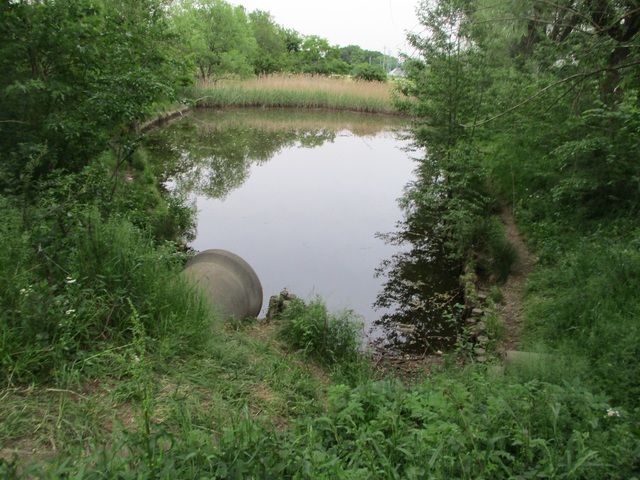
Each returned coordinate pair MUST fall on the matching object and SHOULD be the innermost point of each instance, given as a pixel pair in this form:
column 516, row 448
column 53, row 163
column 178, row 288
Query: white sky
column 378, row 25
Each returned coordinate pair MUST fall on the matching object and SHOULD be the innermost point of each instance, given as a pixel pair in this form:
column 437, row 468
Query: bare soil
column 510, row 311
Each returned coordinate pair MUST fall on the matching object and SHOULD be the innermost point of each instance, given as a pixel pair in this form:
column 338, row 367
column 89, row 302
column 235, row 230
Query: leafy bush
column 369, row 73
column 331, row 338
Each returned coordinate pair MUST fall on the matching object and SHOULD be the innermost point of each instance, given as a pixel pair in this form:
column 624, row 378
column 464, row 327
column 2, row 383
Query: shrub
column 331, row 338
column 369, row 73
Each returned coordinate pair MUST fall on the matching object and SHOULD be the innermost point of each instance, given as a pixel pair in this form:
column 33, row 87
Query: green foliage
column 224, row 41
column 272, row 53
column 330, row 338
column 354, row 55
column 78, row 74
column 452, row 190
column 88, row 287
column 589, row 306
column 502, row 254
column 444, row 428
column 64, row 297
column 557, row 133
column 497, row 296
column 215, row 36
column 369, row 73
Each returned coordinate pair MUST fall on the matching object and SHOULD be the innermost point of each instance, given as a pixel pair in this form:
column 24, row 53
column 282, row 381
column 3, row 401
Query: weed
column 586, row 307
column 496, row 329
column 503, row 256
column 331, row 338
column 79, row 304
column 496, row 294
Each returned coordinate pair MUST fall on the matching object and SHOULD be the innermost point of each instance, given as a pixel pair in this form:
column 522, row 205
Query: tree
column 316, row 56
column 449, row 80
column 77, row 76
column 292, row 40
column 369, row 73
column 271, row 39
column 577, row 64
column 216, row 37
column 354, row 55
column 549, row 88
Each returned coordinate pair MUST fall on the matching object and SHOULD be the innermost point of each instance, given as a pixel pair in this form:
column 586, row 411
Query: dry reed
column 306, row 91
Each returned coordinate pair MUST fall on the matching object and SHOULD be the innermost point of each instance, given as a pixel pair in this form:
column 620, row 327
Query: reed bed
column 298, row 91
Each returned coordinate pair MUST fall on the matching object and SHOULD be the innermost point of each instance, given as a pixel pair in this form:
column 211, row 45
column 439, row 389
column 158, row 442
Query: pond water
column 302, row 197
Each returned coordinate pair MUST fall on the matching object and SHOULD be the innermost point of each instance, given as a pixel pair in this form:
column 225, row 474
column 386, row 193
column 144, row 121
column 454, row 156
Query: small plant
column 496, row 294
column 239, row 324
column 331, row 338
column 503, row 256
column 464, row 342
column 496, row 330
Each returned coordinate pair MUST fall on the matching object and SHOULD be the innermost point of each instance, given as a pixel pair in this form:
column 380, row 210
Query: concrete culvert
column 230, row 282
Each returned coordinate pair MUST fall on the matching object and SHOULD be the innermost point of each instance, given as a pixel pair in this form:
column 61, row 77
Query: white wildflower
column 70, row 311
column 23, row 291
column 613, row 413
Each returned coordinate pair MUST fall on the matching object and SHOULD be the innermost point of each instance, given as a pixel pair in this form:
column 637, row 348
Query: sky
column 378, row 25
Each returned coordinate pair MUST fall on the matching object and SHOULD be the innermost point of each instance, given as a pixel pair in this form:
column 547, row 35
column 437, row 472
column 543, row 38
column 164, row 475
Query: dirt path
column 510, row 311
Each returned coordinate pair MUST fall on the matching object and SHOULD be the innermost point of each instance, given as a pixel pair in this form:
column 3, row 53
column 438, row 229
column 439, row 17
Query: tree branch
column 581, row 76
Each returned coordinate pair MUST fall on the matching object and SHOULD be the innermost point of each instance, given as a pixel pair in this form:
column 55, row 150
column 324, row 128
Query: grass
column 248, row 404
column 586, row 304
column 456, row 425
column 236, row 374
column 113, row 369
column 297, row 91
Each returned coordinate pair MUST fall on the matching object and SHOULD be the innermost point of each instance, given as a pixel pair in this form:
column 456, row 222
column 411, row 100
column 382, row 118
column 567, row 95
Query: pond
column 302, row 196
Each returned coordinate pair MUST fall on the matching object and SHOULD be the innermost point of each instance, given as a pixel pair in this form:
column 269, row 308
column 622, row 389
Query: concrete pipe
column 229, row 281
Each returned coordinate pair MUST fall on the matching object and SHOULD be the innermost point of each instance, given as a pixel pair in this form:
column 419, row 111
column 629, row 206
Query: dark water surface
column 301, row 196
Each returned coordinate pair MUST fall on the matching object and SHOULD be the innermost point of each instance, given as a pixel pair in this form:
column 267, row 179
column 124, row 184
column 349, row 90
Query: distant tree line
column 223, row 40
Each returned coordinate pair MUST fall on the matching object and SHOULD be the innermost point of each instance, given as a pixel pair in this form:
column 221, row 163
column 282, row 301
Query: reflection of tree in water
column 421, row 289
column 211, row 160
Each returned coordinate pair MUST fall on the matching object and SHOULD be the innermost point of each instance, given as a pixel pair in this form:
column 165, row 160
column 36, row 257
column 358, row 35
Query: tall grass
column 65, row 298
column 299, row 91
column 587, row 305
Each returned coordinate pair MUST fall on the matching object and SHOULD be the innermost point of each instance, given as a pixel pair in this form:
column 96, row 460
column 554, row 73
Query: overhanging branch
column 579, row 76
